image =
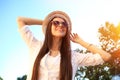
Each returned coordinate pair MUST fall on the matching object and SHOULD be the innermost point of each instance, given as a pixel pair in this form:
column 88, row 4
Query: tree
column 1, row 78
column 109, row 36
column 24, row 77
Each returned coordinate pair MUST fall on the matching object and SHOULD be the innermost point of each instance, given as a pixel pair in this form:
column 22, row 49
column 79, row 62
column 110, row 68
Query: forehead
column 58, row 19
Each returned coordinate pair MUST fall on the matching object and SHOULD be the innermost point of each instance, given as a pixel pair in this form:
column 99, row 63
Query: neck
column 54, row 51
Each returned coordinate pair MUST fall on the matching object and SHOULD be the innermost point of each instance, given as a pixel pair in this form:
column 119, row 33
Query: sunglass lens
column 64, row 24
column 57, row 23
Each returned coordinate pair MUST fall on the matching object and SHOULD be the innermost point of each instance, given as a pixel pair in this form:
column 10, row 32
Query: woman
column 53, row 59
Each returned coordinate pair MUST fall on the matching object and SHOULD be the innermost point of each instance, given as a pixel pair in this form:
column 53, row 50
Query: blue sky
column 86, row 16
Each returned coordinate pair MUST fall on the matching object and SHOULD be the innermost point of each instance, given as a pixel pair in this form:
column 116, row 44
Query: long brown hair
column 65, row 51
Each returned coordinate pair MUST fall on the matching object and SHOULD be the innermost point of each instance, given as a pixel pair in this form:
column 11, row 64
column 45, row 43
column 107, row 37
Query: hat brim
column 54, row 14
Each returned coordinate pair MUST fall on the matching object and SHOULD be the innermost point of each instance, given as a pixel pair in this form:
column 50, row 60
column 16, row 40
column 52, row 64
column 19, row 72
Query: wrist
column 88, row 46
column 81, row 42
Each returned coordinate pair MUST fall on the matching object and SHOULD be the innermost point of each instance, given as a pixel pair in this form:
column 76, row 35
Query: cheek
column 65, row 30
column 53, row 30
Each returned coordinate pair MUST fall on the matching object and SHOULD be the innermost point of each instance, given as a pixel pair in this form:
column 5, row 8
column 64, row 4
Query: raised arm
column 26, row 33
column 22, row 21
column 94, row 49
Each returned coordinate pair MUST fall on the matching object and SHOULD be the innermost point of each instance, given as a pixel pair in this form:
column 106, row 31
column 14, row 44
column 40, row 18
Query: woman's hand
column 74, row 37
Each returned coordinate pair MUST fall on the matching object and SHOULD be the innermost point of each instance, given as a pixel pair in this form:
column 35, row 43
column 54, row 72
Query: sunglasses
column 57, row 23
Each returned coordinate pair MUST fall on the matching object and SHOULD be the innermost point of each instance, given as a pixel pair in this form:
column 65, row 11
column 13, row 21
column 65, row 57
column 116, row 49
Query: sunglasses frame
column 57, row 23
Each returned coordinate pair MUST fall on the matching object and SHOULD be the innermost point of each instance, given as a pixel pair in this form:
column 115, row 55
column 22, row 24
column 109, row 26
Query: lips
column 61, row 30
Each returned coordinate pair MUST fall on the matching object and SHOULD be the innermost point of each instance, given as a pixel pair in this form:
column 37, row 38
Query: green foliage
column 1, row 78
column 24, row 77
column 98, row 72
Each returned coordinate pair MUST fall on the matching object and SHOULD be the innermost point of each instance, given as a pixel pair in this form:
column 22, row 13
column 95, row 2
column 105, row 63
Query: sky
column 86, row 16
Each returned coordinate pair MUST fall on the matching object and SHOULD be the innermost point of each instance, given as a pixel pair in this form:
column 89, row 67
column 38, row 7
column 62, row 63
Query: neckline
column 54, row 56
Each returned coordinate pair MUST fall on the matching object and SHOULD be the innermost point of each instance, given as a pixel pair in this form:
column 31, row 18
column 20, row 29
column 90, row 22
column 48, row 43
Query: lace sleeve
column 88, row 59
column 28, row 37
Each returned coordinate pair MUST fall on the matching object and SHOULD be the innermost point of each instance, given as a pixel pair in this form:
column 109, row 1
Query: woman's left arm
column 94, row 49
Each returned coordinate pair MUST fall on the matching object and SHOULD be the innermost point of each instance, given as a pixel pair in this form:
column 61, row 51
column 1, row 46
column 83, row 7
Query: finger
column 75, row 34
column 72, row 35
column 71, row 38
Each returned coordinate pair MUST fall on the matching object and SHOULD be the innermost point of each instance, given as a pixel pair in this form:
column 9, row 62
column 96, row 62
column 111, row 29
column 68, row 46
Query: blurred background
column 87, row 17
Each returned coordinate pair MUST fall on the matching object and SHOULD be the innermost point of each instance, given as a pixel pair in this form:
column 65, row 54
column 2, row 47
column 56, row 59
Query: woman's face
column 59, row 27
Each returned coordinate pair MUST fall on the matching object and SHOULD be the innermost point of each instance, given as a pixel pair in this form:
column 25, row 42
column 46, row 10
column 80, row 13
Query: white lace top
column 49, row 65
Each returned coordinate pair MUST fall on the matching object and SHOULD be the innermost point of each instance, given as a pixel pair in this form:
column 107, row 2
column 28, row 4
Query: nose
column 60, row 24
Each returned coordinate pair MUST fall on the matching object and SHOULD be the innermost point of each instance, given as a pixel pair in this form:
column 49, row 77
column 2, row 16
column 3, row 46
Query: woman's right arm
column 22, row 21
column 25, row 32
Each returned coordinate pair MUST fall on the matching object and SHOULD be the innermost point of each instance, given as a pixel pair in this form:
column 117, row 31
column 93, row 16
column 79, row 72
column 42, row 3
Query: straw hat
column 53, row 14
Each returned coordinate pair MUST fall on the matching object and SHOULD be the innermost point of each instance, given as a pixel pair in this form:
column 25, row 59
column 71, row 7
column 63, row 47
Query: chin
column 60, row 36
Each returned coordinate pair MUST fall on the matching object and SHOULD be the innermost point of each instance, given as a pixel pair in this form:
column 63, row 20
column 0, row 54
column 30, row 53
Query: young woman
column 53, row 58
